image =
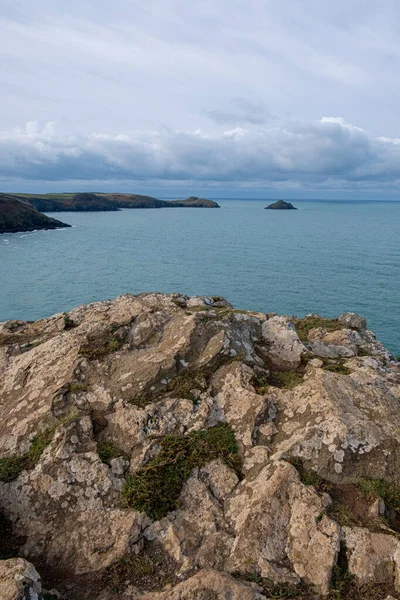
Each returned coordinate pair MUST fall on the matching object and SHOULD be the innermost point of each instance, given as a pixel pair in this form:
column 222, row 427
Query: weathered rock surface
column 373, row 556
column 88, row 400
column 207, row 585
column 283, row 346
column 19, row 580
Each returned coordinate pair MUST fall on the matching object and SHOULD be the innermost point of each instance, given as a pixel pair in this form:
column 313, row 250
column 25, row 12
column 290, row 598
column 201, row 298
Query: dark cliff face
column 16, row 215
column 281, row 205
column 70, row 202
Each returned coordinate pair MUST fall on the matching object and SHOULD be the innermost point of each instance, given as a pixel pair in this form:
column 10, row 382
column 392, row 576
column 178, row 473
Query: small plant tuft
column 375, row 488
column 307, row 477
column 285, row 379
column 107, row 450
column 152, row 569
column 336, row 367
column 281, row 379
column 340, row 513
column 77, row 387
column 101, row 347
column 140, row 401
column 11, row 467
column 183, row 385
column 157, row 485
column 68, row 322
column 304, row 326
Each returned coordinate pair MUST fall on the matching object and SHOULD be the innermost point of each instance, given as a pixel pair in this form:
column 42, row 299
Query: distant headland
column 281, row 205
column 24, row 212
column 17, row 215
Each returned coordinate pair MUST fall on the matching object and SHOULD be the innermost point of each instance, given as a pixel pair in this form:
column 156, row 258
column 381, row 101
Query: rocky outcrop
column 17, row 216
column 19, row 580
column 160, row 446
column 281, row 205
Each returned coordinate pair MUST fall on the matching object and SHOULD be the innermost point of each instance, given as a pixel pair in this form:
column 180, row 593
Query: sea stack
column 281, row 205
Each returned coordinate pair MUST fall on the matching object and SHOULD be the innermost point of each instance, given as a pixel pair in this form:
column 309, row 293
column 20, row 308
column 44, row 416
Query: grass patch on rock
column 305, row 325
column 281, row 379
column 101, row 346
column 77, row 387
column 156, row 487
column 307, row 477
column 342, row 514
column 140, row 401
column 107, row 450
column 151, row 570
column 375, row 488
column 336, row 367
column 11, row 467
column 285, row 379
column 183, row 385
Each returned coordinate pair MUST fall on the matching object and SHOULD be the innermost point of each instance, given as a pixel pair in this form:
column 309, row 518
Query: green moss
column 304, row 326
column 260, row 384
column 341, row 579
column 68, row 322
column 375, row 488
column 363, row 352
column 101, row 347
column 11, row 467
column 156, row 487
column 340, row 513
column 150, row 570
column 77, row 387
column 39, row 443
column 107, row 450
column 281, row 379
column 307, row 477
column 285, row 379
column 28, row 346
column 141, row 401
column 183, row 385
column 336, row 367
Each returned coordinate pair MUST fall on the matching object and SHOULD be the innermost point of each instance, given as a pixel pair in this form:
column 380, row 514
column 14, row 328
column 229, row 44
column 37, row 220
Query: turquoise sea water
column 327, row 258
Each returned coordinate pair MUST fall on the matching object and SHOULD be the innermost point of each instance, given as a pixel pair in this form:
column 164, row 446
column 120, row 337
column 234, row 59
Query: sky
column 219, row 98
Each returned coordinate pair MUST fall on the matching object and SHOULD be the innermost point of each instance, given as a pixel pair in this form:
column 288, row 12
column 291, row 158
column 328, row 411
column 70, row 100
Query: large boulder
column 283, row 346
column 277, row 521
column 343, row 426
column 373, row 557
column 208, row 584
column 19, row 580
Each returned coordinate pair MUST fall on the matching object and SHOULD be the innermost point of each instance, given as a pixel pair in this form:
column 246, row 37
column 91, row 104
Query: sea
column 328, row 257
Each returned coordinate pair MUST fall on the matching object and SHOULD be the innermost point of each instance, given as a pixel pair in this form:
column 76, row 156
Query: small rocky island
column 18, row 216
column 165, row 447
column 281, row 205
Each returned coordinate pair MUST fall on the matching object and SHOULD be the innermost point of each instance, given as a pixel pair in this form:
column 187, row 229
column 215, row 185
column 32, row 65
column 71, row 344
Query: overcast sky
column 274, row 98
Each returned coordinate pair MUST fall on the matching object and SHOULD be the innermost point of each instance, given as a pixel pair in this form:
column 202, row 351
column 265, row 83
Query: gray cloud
column 246, row 112
column 328, row 152
column 172, row 76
